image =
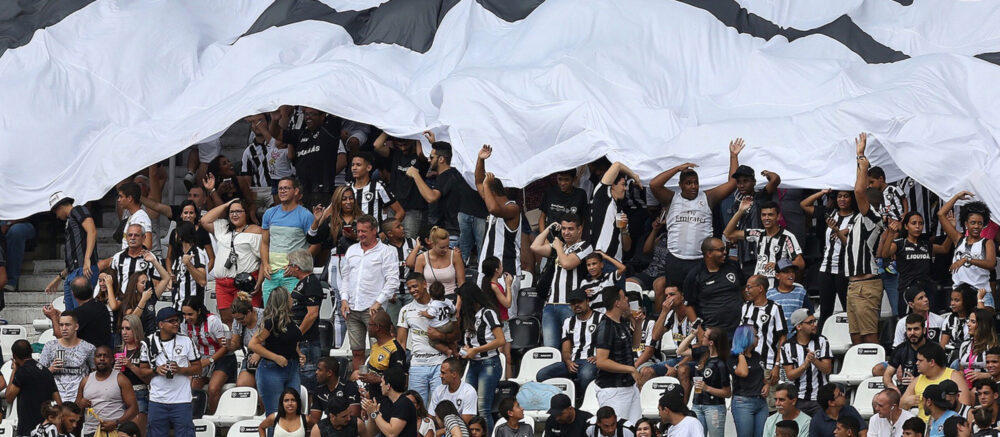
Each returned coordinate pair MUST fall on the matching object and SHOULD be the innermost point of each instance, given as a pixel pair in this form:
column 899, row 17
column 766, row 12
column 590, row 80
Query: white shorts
column 208, row 150
column 624, row 400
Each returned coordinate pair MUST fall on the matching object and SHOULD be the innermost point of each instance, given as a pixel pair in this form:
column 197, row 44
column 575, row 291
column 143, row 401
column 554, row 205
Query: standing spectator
column 81, row 246
column 140, row 296
column 395, row 237
column 131, row 367
column 614, row 341
column 462, row 212
column 578, row 345
column 400, row 417
column 933, row 368
column 335, row 229
column 315, row 150
column 189, row 270
column 108, row 392
column 483, row 340
column 255, row 171
column 785, row 398
column 403, row 155
column 454, row 390
column 209, row 336
column 277, row 344
column 918, row 303
column 768, row 320
column 653, row 277
column 285, row 228
column 746, row 182
column 888, row 419
column 598, row 277
column 674, row 412
column 503, row 226
column 189, row 214
column 370, row 275
column 714, row 287
column 807, row 360
column 130, row 204
column 247, row 320
column 864, row 287
column 198, row 157
column 711, row 379
column 425, row 360
column 608, row 223
column 91, row 318
column 838, row 216
column 833, row 401
column 974, row 256
column 17, row 233
column 132, row 259
column 32, row 385
column 689, row 216
column 561, row 199
column 564, row 419
column 374, row 198
column 340, row 422
column 750, row 387
column 288, row 421
column 440, row 262
column 568, row 251
column 902, row 364
column 767, row 245
column 787, row 293
column 331, row 386
column 306, row 299
column 68, row 357
column 172, row 361
column 913, row 253
column 239, row 250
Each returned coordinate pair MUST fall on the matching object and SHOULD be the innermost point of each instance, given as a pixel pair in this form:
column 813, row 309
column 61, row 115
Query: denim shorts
column 142, row 398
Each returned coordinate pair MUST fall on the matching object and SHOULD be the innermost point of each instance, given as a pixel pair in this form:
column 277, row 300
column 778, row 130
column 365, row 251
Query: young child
column 441, row 312
column 512, row 412
column 50, row 426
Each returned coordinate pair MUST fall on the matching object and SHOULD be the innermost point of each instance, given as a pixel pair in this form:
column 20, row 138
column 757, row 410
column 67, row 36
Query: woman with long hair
column 645, row 428
column 132, row 336
column 956, row 328
column 334, row 228
column 837, row 214
column 108, row 293
column 246, row 323
column 140, row 296
column 277, row 344
column 210, row 337
column 239, row 251
column 483, row 340
column 449, row 421
column 711, row 384
column 189, row 266
column 289, row 420
column 493, row 272
column 189, row 214
column 440, row 262
column 425, row 425
column 982, row 337
column 975, row 257
column 913, row 252
column 750, row 387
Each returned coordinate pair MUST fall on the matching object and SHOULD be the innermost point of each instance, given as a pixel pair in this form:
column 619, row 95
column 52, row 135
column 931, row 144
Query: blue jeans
column 585, row 373
column 472, row 229
column 413, row 221
column 749, row 415
column 307, row 373
column 484, row 375
column 712, row 418
column 553, row 316
column 68, row 294
column 890, row 283
column 17, row 237
column 424, row 380
column 272, row 379
column 163, row 416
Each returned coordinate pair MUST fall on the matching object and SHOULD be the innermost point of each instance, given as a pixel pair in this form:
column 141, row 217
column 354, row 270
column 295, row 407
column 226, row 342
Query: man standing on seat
column 503, row 226
column 608, row 223
column 864, row 287
column 568, row 251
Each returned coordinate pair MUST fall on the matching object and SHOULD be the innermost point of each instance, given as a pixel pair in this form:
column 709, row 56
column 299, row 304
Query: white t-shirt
column 688, row 427
column 465, row 399
column 141, row 218
column 422, row 354
column 879, row 427
column 441, row 311
column 934, row 326
column 180, row 349
column 277, row 161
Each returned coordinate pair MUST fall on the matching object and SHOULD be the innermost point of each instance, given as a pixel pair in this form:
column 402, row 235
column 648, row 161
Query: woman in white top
column 974, row 256
column 440, row 263
column 287, row 421
column 425, row 425
column 239, row 250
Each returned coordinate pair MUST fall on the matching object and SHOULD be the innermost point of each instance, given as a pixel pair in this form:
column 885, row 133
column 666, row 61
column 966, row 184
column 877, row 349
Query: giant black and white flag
column 93, row 90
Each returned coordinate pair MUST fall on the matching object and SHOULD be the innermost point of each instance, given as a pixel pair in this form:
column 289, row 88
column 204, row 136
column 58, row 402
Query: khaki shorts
column 357, row 328
column 864, row 305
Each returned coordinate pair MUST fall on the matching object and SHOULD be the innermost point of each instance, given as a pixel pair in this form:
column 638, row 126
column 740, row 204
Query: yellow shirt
column 922, row 383
column 384, row 354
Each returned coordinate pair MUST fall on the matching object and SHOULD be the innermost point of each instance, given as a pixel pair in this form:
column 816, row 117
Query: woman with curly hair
column 975, row 256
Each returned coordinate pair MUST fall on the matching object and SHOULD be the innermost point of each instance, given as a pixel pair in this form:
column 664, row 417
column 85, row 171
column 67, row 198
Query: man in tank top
column 108, row 392
column 689, row 217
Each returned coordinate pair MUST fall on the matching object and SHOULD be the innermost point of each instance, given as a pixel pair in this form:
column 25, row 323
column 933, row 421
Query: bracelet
column 62, row 275
column 862, row 158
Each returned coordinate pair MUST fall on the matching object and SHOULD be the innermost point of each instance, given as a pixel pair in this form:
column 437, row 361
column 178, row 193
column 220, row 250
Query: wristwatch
column 374, row 414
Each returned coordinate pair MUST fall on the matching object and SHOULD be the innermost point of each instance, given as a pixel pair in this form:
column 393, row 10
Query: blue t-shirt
column 790, row 301
column 936, row 427
column 287, row 231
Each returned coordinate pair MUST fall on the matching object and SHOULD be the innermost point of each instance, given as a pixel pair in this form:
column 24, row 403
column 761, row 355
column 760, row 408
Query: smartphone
column 697, row 324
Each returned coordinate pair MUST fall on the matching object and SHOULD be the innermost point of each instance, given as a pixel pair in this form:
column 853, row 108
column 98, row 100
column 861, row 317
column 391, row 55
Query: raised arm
column 658, row 184
column 886, row 242
column 157, row 206
column 946, row 225
column 808, row 204
column 541, row 246
column 861, row 180
column 731, row 233
column 613, row 171
column 380, row 147
column 429, row 194
column 208, row 220
column 715, row 195
column 773, row 180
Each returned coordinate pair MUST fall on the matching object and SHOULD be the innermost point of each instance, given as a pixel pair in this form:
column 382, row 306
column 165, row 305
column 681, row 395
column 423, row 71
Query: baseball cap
column 559, row 403
column 743, row 170
column 673, row 399
column 336, row 405
column 948, row 387
column 166, row 313
column 58, row 199
column 937, row 395
column 577, row 295
column 786, row 263
column 800, row 315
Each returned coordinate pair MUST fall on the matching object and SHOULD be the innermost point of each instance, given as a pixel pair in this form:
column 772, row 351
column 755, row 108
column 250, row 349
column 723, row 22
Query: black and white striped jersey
column 678, row 328
column 648, row 341
column 955, row 326
column 794, row 354
column 502, row 242
column 402, row 251
column 623, row 428
column 859, row 251
column 923, row 201
column 123, row 266
column 482, row 332
column 186, row 286
column 374, row 199
column 255, row 164
column 593, row 287
column 769, row 249
column 564, row 281
column 770, row 323
column 833, row 249
column 580, row 334
column 76, row 239
column 604, row 235
column 892, row 203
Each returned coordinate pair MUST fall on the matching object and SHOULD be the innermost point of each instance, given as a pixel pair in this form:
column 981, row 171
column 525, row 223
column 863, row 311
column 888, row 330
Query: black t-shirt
column 148, row 316
column 402, row 187
column 751, row 385
column 617, row 339
column 575, row 429
column 315, row 157
column 716, row 295
column 283, row 344
column 204, row 240
column 403, row 409
column 95, row 323
column 556, row 203
column 307, row 293
column 322, row 394
column 37, row 386
column 459, row 196
column 716, row 374
column 904, row 357
column 913, row 261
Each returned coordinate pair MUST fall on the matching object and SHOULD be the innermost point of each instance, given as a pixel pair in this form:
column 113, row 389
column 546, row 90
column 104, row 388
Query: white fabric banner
column 119, row 85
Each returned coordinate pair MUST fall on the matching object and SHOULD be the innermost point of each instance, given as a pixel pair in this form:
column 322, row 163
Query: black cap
column 578, row 295
column 673, row 398
column 558, row 404
column 948, row 387
column 745, row 171
column 911, row 293
column 166, row 313
column 937, row 395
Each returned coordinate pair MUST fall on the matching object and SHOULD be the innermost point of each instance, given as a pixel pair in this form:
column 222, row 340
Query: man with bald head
column 714, row 287
column 889, row 418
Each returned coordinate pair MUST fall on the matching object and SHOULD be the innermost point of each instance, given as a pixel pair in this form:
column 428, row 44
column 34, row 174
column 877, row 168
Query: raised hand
column 208, row 181
column 736, row 146
column 148, row 256
column 861, row 142
column 430, row 136
column 894, row 226
column 685, row 166
column 746, row 203
column 964, row 195
column 485, row 152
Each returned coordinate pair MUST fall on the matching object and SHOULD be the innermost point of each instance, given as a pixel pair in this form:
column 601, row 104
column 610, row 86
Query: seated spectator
column 786, row 396
column 394, row 414
column 598, row 277
column 33, row 386
column 955, row 330
column 932, row 366
column 289, row 420
column 477, row 427
column 919, row 303
column 449, row 421
column 565, row 419
column 847, row 426
column 454, row 390
column 674, row 412
column 675, row 319
column 332, row 386
column 512, row 412
column 108, row 392
column 914, row 427
column 833, row 403
column 607, row 424
column 426, row 423
column 902, row 364
column 888, row 419
column 982, row 337
column 340, row 421
column 645, row 427
column 787, row 293
column 986, row 396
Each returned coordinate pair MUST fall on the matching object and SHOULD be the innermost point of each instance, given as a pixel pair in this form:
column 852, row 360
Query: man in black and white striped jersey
column 371, row 195
column 577, row 344
column 503, row 226
column 864, row 287
column 769, row 319
column 807, row 360
column 768, row 245
column 255, row 171
column 609, row 230
column 130, row 260
column 568, row 252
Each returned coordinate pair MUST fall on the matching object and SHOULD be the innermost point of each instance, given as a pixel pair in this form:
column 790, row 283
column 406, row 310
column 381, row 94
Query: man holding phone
column 568, row 252
column 68, row 358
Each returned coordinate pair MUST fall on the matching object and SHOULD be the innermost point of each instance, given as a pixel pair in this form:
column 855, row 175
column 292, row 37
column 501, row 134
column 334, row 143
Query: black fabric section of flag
column 19, row 19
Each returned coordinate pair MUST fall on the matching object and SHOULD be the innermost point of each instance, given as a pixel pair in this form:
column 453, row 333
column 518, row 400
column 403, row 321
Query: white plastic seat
column 9, row 334
column 6, row 429
column 41, row 324
column 527, row 421
column 567, row 386
column 235, row 404
column 304, row 396
column 204, row 428
column 534, row 360
column 837, row 333
column 12, row 415
column 345, row 348
column 527, row 279
column 667, row 344
column 244, row 428
column 649, row 395
column 7, row 370
column 589, row 403
column 47, row 336
column 886, row 310
column 858, row 362
column 59, row 304
column 864, row 395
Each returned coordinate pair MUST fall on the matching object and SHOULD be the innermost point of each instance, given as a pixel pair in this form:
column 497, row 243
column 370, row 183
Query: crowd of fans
column 427, row 278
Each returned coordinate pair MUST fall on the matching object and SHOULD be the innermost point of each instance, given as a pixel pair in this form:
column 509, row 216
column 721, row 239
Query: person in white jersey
column 503, row 226
column 689, row 217
column 974, row 256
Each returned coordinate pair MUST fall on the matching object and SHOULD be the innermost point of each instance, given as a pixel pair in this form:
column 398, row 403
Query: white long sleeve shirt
column 369, row 276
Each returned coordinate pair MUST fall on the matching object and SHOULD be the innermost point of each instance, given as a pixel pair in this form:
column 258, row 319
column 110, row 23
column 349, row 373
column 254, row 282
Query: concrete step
column 30, row 298
column 104, row 250
column 33, row 283
column 42, row 266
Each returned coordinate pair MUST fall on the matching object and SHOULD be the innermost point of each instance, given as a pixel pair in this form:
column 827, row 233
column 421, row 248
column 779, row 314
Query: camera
column 231, row 260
